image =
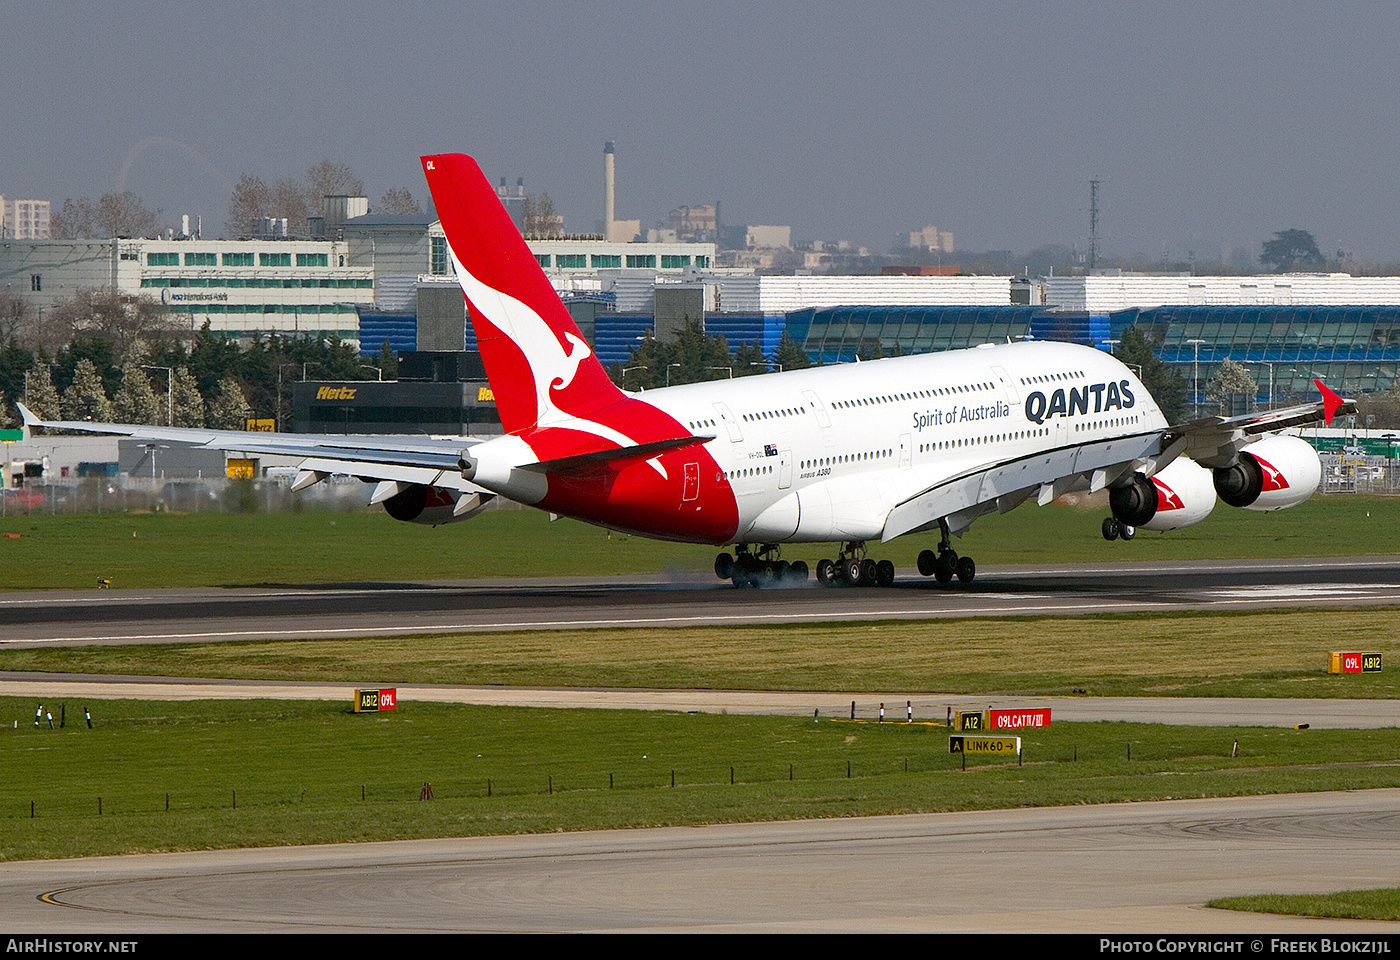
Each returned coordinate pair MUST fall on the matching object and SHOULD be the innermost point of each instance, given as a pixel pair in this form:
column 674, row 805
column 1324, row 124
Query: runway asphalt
column 35, row 618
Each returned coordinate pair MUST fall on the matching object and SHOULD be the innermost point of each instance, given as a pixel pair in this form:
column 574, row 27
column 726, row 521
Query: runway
column 208, row 615
column 1114, row 868
column 1120, row 868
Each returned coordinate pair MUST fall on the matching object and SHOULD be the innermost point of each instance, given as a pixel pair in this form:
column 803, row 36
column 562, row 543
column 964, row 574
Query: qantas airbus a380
column 850, row 454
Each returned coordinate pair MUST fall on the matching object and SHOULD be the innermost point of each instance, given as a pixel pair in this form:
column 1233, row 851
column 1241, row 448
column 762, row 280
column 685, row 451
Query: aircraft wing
column 1049, row 474
column 1004, row 485
column 405, row 459
column 1216, row 441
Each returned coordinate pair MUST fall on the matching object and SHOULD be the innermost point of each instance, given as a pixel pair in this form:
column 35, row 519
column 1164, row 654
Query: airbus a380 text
column 850, row 455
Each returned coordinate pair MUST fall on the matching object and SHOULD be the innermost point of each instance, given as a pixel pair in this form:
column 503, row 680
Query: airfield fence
column 1341, row 474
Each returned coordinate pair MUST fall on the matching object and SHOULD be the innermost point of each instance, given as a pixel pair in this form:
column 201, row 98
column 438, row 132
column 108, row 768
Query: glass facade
column 839, row 334
column 1353, row 349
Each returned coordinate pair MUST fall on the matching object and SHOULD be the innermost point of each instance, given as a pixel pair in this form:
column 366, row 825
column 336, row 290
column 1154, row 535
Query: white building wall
column 1101, row 295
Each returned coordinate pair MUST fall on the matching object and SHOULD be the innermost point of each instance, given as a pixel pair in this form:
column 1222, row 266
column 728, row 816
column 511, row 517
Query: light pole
column 668, row 372
column 169, row 392
column 1270, row 404
column 1196, row 378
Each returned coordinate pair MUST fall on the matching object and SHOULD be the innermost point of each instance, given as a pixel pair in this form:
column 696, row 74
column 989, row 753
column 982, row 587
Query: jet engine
column 1178, row 496
column 420, row 503
column 1274, row 473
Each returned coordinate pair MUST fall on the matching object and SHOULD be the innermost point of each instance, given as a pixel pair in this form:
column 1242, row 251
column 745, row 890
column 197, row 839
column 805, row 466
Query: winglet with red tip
column 1330, row 401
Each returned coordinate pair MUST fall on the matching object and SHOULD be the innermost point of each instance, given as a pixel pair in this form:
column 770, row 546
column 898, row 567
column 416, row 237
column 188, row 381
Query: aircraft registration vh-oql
column 847, row 454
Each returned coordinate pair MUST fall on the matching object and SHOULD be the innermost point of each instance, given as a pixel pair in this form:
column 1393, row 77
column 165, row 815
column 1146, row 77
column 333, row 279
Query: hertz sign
column 370, row 701
column 336, row 393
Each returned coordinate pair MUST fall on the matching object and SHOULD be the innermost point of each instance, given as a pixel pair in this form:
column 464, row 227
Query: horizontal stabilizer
column 605, row 461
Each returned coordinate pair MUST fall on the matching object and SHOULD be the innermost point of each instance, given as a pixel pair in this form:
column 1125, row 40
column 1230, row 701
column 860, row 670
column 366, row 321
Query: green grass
column 1348, row 904
column 274, row 772
column 175, row 550
column 1179, row 654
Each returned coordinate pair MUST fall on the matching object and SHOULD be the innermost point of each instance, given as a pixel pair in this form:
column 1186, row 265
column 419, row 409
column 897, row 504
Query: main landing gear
column 944, row 565
column 759, row 569
column 851, row 569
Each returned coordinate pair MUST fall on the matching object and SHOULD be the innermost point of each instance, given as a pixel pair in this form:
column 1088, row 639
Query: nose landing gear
column 1115, row 529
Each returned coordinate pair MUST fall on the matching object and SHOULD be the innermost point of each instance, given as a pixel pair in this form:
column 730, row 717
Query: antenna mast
column 1093, row 224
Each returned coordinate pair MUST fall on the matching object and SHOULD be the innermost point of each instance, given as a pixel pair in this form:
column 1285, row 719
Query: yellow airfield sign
column 1006, row 746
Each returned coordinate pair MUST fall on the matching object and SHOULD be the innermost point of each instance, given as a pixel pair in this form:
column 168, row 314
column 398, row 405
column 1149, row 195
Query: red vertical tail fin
column 541, row 369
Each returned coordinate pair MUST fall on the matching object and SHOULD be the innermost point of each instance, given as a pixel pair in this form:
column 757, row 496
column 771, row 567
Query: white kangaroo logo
column 550, row 366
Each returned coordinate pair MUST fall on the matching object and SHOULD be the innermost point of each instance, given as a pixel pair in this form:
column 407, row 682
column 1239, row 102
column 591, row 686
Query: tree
column 113, row 215
column 328, row 179
column 15, row 364
column 289, row 203
column 790, row 355
column 398, row 202
column 135, row 400
column 229, row 410
column 85, row 398
column 1231, row 381
column 74, row 220
column 118, row 317
column 689, row 357
column 40, row 395
column 188, row 404
column 1169, row 390
column 123, row 215
column 539, row 218
column 749, row 360
column 15, row 313
column 251, row 199
column 1291, row 251
column 388, row 362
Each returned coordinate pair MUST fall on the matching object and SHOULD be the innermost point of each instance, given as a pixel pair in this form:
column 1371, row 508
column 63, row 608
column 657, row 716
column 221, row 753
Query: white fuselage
column 825, row 453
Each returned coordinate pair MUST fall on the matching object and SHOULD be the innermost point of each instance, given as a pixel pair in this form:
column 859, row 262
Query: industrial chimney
column 609, row 187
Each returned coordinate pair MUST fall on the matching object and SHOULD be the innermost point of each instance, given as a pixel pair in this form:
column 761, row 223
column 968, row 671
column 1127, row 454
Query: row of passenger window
column 913, row 395
column 1052, row 378
column 962, row 442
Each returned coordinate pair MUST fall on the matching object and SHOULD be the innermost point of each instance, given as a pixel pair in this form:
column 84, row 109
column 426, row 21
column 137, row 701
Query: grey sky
column 1210, row 124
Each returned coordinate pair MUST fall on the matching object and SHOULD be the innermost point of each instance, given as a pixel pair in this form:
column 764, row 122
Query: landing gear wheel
column 928, row 562
column 826, row 573
column 798, row 573
column 1126, row 532
column 966, row 569
column 884, row 573
column 724, row 565
column 869, row 570
column 851, row 572
column 945, row 567
column 1110, row 528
